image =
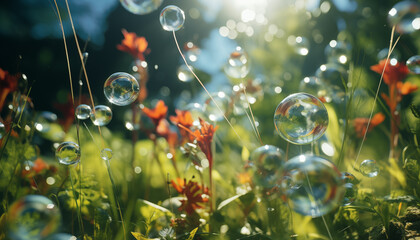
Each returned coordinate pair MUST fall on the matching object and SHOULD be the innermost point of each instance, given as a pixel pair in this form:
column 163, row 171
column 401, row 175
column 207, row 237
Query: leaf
column 140, row 236
column 228, row 201
column 192, row 233
column 162, row 209
column 415, row 110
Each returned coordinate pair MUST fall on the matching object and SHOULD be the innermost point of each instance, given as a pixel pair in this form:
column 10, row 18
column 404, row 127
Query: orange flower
column 406, row 88
column 392, row 74
column 204, row 137
column 193, row 192
column 360, row 124
column 183, row 118
column 8, row 84
column 163, row 130
column 158, row 113
column 134, row 45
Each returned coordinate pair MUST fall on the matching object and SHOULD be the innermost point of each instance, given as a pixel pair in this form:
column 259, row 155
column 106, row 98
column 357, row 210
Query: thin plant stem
column 77, row 205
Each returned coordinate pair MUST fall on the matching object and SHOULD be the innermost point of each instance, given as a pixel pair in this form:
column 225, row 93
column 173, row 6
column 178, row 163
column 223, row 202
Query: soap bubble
column 2, row 130
column 369, row 168
column 61, row 236
column 237, row 65
column 335, row 77
column 106, row 154
column 266, row 163
column 172, row 18
column 212, row 111
column 314, row 86
column 184, row 74
column 312, row 184
column 101, row 116
column 68, row 153
column 338, row 52
column 121, row 89
column 301, row 118
column 44, row 120
column 83, row 111
column 253, row 92
column 350, row 184
column 33, row 217
column 405, row 16
column 141, row 7
column 413, row 64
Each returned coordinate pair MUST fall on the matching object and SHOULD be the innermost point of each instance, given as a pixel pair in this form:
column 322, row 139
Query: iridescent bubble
column 106, row 154
column 314, row 86
column 237, row 65
column 172, row 18
column 191, row 51
column 61, row 236
column 266, row 164
column 68, row 153
column 2, row 130
column 141, row 7
column 369, row 168
column 213, row 112
column 83, row 111
column 405, row 16
column 413, row 64
column 338, row 52
column 351, row 186
column 312, row 185
column 121, row 89
column 184, row 74
column 101, row 115
column 44, row 120
column 32, row 217
column 301, row 118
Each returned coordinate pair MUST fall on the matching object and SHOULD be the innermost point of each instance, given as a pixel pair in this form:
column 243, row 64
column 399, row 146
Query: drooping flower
column 158, row 113
column 183, row 118
column 204, row 137
column 194, row 193
column 8, row 84
column 134, row 45
column 360, row 124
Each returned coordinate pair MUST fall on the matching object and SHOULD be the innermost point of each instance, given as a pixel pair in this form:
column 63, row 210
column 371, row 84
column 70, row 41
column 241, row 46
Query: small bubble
column 172, row 18
column 106, row 154
column 369, row 168
column 83, row 111
column 68, row 153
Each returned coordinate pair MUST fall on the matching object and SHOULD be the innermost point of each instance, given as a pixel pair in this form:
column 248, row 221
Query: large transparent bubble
column 121, row 89
column 405, row 16
column 141, row 7
column 266, row 164
column 312, row 185
column 301, row 118
column 32, row 217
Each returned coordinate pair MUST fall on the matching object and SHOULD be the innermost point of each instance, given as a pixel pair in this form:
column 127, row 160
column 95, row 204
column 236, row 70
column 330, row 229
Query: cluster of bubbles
column 141, row 7
column 32, row 217
column 312, row 185
column 405, row 16
column 266, row 164
column 301, row 118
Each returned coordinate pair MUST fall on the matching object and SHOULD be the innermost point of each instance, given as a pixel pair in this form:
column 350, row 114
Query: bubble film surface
column 237, row 65
column 83, row 111
column 68, row 153
column 266, row 164
column 301, row 118
column 101, row 115
column 405, row 16
column 32, row 217
column 172, row 18
column 369, row 168
column 121, row 89
column 312, row 185
column 141, row 7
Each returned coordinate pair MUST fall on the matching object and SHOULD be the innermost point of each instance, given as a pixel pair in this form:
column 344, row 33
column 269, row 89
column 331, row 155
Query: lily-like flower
column 194, row 193
column 134, row 45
